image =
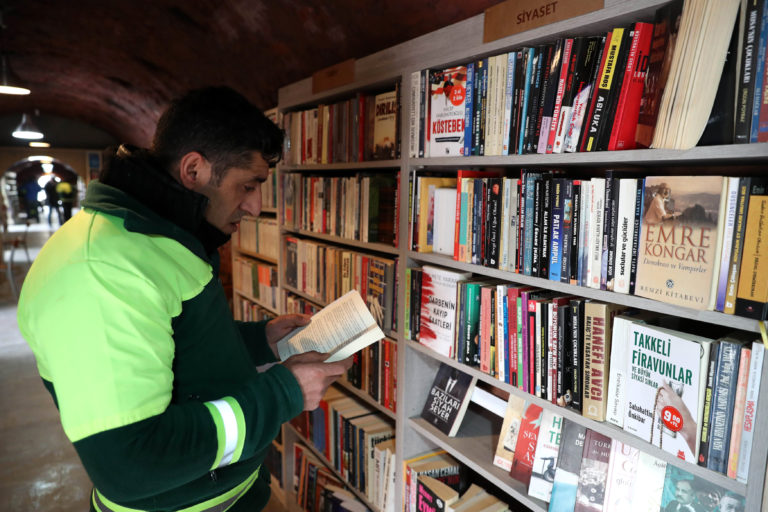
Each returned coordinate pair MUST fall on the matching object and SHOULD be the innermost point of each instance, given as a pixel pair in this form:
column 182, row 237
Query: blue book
column 468, row 109
column 721, row 412
column 556, row 237
column 530, row 53
column 757, row 100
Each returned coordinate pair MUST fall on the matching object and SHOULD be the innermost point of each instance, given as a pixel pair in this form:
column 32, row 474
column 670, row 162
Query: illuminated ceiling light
column 27, row 129
column 47, row 167
column 39, row 144
column 40, row 158
column 9, row 82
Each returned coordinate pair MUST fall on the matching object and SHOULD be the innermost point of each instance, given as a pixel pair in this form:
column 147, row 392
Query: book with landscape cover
column 569, row 458
column 545, row 458
column 448, row 399
column 590, row 494
column 510, row 428
column 447, row 100
column 666, row 380
column 438, row 308
column 525, row 449
column 340, row 329
column 385, row 122
column 681, row 239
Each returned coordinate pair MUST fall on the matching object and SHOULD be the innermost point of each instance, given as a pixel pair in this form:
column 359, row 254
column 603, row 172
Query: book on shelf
column 443, row 225
column 750, row 410
column 565, row 485
column 665, row 388
column 525, row 448
column 737, row 245
column 622, row 470
column 433, row 495
column 510, row 428
column 385, row 125
column 685, row 491
column 747, row 88
column 545, row 457
column 649, row 483
column 752, row 292
column 681, row 239
column 593, row 474
column 438, row 308
column 447, row 104
column 448, row 399
column 340, row 329
column 438, row 465
column 734, row 446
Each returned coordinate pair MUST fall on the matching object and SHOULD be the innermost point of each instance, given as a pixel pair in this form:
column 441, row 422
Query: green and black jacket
column 155, row 382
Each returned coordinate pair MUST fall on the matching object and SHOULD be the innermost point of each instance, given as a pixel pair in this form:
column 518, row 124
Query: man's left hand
column 278, row 327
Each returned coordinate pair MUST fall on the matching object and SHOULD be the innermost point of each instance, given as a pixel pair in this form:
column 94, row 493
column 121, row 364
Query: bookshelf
column 416, row 365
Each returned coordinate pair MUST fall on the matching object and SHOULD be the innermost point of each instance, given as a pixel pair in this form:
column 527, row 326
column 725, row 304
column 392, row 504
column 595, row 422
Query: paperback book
column 568, row 467
column 438, row 308
column 545, row 458
column 447, row 100
column 448, row 399
column 510, row 428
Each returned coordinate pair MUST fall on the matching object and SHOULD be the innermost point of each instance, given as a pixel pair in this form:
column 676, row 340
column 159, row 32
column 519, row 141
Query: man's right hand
column 314, row 376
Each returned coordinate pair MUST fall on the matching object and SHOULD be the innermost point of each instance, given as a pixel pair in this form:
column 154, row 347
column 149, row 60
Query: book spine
column 567, row 231
column 725, row 255
column 556, row 247
column 624, row 234
column 747, row 79
column 546, row 220
column 529, row 59
column 737, row 245
column 577, row 348
column 760, row 72
column 469, row 106
column 738, row 412
column 576, row 225
column 636, row 235
column 707, row 407
column 595, row 337
column 509, row 93
column 595, row 247
column 722, row 406
column 750, row 410
column 752, row 292
column 561, row 82
column 608, row 253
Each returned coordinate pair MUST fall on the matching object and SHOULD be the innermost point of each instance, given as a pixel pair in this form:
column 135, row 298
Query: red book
column 628, row 107
column 561, row 83
column 515, row 344
column 593, row 101
column 525, row 448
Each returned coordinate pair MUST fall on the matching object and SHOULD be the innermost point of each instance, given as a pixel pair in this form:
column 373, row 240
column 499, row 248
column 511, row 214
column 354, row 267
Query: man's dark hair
column 220, row 124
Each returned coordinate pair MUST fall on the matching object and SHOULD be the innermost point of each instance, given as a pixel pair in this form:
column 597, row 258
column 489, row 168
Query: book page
column 341, row 328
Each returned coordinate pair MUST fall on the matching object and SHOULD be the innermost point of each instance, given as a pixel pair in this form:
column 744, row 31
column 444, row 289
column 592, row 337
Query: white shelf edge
column 604, row 428
column 712, row 317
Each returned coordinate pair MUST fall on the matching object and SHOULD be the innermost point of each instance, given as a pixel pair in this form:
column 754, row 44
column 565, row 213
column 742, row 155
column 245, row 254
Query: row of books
column 258, row 235
column 347, row 432
column 317, row 488
column 622, row 89
column 358, row 207
column 374, row 370
column 251, row 311
column 603, row 360
column 257, row 280
column 435, row 496
column 359, row 129
column 325, row 272
column 678, row 239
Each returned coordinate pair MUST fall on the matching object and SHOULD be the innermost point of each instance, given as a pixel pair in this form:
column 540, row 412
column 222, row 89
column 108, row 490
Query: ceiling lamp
column 39, row 144
column 27, row 129
column 9, row 82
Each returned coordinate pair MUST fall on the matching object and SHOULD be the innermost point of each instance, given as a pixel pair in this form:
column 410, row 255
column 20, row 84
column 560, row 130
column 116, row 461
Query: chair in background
column 12, row 241
column 6, row 267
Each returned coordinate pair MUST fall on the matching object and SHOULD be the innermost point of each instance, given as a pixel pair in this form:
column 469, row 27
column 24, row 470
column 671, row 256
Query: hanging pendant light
column 27, row 129
column 9, row 82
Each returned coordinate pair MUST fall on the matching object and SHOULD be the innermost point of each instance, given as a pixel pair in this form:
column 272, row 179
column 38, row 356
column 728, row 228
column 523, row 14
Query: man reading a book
column 156, row 384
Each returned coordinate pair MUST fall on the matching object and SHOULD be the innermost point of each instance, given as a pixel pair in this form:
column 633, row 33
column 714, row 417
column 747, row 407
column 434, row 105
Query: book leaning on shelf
column 340, row 329
column 448, row 399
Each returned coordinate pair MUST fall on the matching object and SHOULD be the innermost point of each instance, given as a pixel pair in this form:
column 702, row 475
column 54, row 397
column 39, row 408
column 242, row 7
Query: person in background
column 66, row 193
column 52, row 199
column 156, row 384
column 29, row 191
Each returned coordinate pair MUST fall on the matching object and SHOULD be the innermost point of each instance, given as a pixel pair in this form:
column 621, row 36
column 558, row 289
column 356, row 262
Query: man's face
column 684, row 492
column 238, row 194
column 730, row 504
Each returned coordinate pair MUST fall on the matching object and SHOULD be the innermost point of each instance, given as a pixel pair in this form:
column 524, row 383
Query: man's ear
column 194, row 170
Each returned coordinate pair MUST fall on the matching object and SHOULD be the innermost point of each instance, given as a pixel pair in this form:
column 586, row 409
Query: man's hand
column 314, row 375
column 278, row 327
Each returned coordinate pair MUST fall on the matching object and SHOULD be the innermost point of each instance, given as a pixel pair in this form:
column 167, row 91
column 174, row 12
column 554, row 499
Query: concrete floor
column 39, row 469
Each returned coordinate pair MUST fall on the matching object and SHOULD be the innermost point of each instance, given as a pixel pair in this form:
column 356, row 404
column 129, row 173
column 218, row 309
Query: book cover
column 444, row 227
column 750, row 410
column 598, row 332
column 604, row 88
column 723, row 399
column 385, row 126
column 666, row 377
column 433, row 495
column 593, row 474
column 510, row 428
column 525, row 448
column 448, row 399
column 549, row 95
column 438, row 308
column 447, row 101
column 649, row 483
column 739, row 403
column 752, row 292
column 681, row 239
column 545, row 458
column 622, row 470
column 625, row 229
column 737, row 246
column 587, row 72
column 685, row 491
column 572, row 437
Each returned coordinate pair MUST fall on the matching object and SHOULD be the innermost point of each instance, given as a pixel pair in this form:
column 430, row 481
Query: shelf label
column 337, row 75
column 515, row 16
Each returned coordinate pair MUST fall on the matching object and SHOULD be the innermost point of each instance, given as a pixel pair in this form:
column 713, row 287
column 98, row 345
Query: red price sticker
column 672, row 418
column 457, row 95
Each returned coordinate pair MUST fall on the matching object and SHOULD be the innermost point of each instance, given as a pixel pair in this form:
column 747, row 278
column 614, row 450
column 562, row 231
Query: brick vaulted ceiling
column 114, row 64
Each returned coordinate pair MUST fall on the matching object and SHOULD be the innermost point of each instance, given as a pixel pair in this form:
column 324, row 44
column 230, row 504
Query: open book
column 341, row 328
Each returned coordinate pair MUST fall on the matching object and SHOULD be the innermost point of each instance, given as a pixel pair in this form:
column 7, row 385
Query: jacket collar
column 135, row 187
